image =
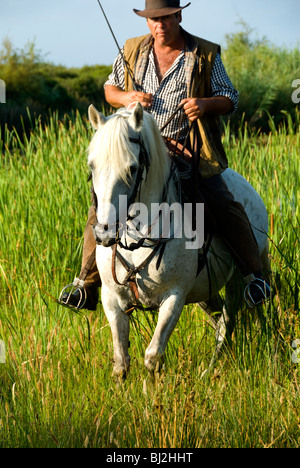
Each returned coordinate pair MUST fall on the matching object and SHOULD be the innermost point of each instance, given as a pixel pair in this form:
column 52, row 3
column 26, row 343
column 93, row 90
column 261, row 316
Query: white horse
column 128, row 157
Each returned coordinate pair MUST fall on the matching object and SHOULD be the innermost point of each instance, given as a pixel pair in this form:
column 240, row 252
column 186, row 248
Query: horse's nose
column 103, row 235
column 98, row 239
column 98, row 233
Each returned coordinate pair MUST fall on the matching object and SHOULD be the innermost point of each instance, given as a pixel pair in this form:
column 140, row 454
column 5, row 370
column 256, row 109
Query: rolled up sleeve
column 221, row 84
column 117, row 76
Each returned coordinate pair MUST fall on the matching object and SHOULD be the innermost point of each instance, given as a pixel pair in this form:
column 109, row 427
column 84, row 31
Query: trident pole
column 135, row 85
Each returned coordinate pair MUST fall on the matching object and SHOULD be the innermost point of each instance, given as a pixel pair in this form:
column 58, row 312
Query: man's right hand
column 116, row 97
column 137, row 96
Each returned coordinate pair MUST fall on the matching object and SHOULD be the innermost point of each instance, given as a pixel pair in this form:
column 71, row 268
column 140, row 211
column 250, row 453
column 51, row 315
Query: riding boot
column 83, row 293
column 91, row 273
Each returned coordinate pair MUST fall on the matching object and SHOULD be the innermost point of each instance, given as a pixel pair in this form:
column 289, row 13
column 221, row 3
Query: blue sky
column 74, row 33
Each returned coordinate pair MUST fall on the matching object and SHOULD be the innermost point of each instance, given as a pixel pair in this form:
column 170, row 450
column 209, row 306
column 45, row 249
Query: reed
column 56, row 389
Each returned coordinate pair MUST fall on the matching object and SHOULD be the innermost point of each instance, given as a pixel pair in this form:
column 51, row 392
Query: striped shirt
column 168, row 94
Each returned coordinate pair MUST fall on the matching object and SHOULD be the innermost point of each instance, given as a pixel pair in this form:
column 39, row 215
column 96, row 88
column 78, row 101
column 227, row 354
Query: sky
column 74, row 33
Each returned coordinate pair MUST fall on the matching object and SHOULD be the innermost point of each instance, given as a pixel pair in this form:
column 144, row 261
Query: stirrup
column 264, row 290
column 69, row 290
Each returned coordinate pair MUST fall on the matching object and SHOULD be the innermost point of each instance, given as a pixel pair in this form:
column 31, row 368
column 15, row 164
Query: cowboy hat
column 157, row 8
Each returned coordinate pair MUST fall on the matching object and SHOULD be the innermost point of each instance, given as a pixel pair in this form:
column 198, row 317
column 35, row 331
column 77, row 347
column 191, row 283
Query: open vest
column 200, row 56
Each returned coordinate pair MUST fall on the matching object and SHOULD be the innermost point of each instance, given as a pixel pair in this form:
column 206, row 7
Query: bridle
column 157, row 245
column 143, row 164
column 143, row 167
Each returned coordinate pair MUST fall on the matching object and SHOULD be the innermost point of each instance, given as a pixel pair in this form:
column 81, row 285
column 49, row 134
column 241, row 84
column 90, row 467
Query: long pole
column 135, row 85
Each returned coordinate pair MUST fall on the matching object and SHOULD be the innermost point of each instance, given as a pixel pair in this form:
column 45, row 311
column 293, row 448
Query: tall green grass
column 56, row 389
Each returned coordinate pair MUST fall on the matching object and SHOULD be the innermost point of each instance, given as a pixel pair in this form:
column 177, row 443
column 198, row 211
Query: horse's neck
column 146, row 206
column 154, row 191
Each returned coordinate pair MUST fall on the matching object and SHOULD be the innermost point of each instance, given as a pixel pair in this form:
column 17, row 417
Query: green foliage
column 41, row 87
column 263, row 74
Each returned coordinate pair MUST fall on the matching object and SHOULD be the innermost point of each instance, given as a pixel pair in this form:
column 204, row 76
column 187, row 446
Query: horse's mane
column 110, row 147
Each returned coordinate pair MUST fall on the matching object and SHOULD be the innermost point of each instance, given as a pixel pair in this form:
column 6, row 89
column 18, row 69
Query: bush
column 263, row 74
column 43, row 87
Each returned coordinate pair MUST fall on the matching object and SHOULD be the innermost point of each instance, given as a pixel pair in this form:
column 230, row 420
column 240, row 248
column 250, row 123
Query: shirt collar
column 191, row 57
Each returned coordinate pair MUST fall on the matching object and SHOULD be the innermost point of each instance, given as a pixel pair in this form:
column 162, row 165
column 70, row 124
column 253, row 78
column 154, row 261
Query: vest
column 200, row 56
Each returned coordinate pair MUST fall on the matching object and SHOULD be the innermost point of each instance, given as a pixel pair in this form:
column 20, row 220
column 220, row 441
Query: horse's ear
column 96, row 118
column 136, row 119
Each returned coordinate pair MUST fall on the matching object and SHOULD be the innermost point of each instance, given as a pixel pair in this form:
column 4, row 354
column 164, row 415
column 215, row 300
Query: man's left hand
column 194, row 108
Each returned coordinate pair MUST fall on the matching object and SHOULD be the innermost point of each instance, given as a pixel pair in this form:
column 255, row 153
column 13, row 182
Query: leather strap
column 130, row 278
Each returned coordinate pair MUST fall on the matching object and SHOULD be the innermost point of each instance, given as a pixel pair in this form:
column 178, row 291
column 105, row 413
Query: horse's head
column 120, row 154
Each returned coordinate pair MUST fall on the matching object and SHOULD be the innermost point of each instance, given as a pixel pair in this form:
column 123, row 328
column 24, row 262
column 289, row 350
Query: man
column 171, row 68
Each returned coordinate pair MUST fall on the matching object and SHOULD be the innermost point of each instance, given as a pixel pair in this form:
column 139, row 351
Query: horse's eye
column 133, row 170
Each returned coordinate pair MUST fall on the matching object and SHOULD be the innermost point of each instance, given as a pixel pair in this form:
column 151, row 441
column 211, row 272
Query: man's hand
column 137, row 96
column 195, row 108
column 116, row 97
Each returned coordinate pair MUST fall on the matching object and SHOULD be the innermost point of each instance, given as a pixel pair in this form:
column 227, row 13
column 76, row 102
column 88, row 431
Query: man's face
column 165, row 29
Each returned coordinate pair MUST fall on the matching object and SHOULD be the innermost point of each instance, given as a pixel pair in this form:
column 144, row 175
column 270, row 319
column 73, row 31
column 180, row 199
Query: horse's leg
column 213, row 309
column 224, row 322
column 168, row 316
column 233, row 302
column 119, row 324
column 219, row 319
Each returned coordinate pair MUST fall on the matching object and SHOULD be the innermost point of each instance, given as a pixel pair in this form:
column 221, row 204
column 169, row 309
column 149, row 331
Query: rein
column 143, row 163
column 131, row 273
column 158, row 244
